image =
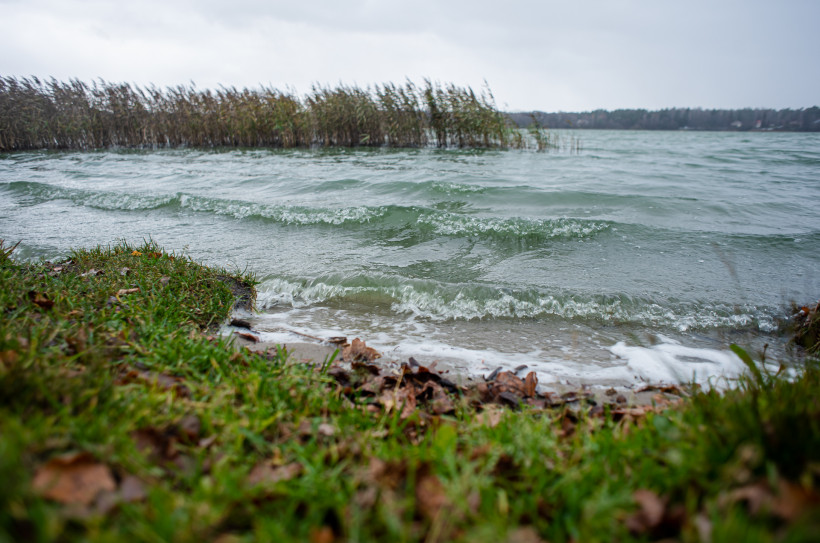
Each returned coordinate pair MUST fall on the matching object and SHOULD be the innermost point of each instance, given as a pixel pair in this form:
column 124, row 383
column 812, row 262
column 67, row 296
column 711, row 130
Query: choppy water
column 640, row 258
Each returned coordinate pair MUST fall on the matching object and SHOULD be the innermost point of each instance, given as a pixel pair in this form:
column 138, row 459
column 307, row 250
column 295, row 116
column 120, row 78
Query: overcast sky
column 569, row 55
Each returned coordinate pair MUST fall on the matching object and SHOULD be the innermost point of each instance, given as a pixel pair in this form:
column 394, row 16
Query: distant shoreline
column 713, row 120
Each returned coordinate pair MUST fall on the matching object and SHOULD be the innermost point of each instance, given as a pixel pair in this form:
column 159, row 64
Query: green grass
column 138, row 382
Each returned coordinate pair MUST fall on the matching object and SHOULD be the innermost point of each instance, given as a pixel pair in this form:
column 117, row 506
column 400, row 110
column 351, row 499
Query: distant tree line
column 792, row 120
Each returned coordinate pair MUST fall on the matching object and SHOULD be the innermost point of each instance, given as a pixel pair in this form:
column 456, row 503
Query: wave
column 33, row 193
column 442, row 302
column 393, row 217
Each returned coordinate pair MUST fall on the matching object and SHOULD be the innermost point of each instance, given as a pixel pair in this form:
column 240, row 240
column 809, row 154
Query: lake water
column 639, row 258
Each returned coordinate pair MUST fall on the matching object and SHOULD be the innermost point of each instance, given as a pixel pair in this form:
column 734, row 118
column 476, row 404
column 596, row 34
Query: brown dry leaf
column 703, row 526
column 305, row 428
column 385, row 474
column 650, row 514
column 132, row 489
column 524, row 534
column 431, row 497
column 633, row 412
column 668, row 389
column 161, row 380
column 326, row 430
column 124, row 291
column 264, row 473
column 73, row 479
column 91, row 273
column 756, row 496
column 189, row 427
column 323, row 534
column 78, row 341
column 157, row 445
column 41, row 300
column 8, row 358
column 164, row 280
column 402, row 398
column 568, row 422
column 125, row 271
column 530, row 384
column 491, row 416
column 507, row 381
column 442, row 404
column 793, row 500
column 359, row 351
column 249, row 337
column 789, row 502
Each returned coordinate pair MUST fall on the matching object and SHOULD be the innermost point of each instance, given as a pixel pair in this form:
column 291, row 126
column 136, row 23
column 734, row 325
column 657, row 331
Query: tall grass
column 51, row 114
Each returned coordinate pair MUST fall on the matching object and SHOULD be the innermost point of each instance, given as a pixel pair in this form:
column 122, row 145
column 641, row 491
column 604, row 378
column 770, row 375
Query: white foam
column 670, row 362
column 596, row 361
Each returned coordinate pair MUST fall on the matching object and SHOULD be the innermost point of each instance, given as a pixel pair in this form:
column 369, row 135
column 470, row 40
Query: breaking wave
column 440, row 302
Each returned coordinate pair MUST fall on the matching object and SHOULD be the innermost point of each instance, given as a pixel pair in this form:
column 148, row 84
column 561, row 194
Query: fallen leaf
column 190, row 427
column 264, row 473
column 431, row 497
column 650, row 512
column 8, row 358
column 793, row 500
column 508, row 382
column 491, row 416
column 132, row 489
column 73, row 479
column 124, row 291
column 327, row 430
column 323, row 534
column 161, row 380
column 91, row 273
column 40, row 300
column 704, row 527
column 440, row 400
column 249, row 337
column 125, row 271
column 385, row 474
column 359, row 351
column 789, row 502
column 159, row 446
column 164, row 280
column 403, row 398
column 524, row 534
column 530, row 383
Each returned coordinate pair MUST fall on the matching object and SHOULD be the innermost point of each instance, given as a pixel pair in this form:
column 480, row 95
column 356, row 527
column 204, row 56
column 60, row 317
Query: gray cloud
column 547, row 55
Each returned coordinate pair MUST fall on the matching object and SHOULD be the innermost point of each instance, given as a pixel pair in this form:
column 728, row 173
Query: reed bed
column 51, row 114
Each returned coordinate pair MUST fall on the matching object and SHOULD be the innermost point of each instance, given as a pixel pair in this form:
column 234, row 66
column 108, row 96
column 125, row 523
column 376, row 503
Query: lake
column 640, row 258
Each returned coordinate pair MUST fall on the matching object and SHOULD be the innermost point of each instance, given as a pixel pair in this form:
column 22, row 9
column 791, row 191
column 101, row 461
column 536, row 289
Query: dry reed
column 50, row 114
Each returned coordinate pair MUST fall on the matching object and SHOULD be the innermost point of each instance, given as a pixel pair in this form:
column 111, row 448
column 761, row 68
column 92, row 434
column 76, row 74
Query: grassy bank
column 123, row 418
column 37, row 114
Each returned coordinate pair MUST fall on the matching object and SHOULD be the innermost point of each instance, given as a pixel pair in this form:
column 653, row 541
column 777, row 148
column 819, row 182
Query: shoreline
column 319, row 351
